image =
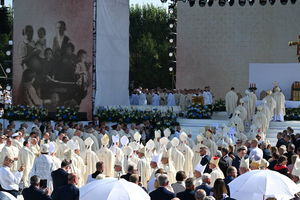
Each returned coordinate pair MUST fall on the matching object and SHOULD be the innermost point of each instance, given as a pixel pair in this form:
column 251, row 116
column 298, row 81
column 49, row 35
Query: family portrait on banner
column 52, row 61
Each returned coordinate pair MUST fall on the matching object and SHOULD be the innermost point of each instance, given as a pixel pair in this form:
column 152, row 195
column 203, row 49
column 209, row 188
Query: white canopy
column 112, row 189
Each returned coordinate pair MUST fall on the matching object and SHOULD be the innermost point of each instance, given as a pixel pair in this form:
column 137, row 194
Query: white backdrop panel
column 112, row 53
column 264, row 74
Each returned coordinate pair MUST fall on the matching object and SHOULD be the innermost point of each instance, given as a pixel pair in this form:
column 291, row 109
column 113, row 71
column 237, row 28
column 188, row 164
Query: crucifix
column 291, row 43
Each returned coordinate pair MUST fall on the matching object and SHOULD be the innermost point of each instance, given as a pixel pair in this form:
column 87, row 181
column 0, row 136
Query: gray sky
column 141, row 2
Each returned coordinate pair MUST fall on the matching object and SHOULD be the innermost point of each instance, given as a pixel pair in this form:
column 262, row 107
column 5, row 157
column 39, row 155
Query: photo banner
column 112, row 53
column 53, row 46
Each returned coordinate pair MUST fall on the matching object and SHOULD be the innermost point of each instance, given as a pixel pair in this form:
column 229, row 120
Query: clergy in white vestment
column 118, row 155
column 52, row 154
column 270, row 101
column 16, row 140
column 45, row 139
column 176, row 155
column 249, row 101
column 260, row 120
column 266, row 111
column 231, row 99
column 198, row 172
column 26, row 159
column 188, row 154
column 207, row 96
column 34, row 147
column 155, row 99
column 242, row 109
column 171, row 99
column 2, row 142
column 77, row 137
column 154, row 164
column 143, row 167
column 183, row 101
column 279, row 111
column 43, row 166
column 167, row 165
column 89, row 133
column 237, row 122
column 253, row 100
column 216, row 171
column 107, row 157
column 142, row 99
column 196, row 150
column 89, row 157
column 12, row 152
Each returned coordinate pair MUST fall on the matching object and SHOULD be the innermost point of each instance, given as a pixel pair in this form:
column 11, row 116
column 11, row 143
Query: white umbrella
column 112, row 189
column 261, row 184
column 6, row 196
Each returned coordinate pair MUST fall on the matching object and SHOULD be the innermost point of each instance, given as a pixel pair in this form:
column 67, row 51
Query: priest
column 231, row 99
column 279, row 111
column 143, row 167
column 25, row 159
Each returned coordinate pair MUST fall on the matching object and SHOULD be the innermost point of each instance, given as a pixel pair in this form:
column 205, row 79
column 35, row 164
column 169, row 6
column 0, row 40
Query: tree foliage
column 149, row 47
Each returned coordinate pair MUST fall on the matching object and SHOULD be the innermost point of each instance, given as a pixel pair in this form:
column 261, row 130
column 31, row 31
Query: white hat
column 127, row 150
column 167, row 132
column 200, row 168
column 88, row 141
column 15, row 134
column 164, row 141
column 150, row 145
column 245, row 163
column 201, row 130
column 157, row 134
column 115, row 139
column 175, row 142
column 124, row 140
column 183, row 136
column 142, row 150
column 156, row 158
column 259, row 108
column 137, row 136
column 73, row 145
column 200, row 138
column 105, row 140
column 52, row 147
column 134, row 145
column 44, row 148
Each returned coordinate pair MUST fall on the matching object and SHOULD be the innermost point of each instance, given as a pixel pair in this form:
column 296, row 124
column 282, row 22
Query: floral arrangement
column 67, row 113
column 292, row 114
column 21, row 112
column 198, row 111
column 219, row 105
column 158, row 119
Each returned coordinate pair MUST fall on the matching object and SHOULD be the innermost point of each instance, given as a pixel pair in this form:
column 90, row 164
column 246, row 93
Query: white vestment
column 26, row 159
column 271, row 103
column 108, row 158
column 188, row 155
column 207, row 96
column 243, row 112
column 279, row 111
column 90, row 159
column 231, row 99
column 171, row 100
column 12, row 152
column 178, row 158
column 215, row 174
column 144, row 170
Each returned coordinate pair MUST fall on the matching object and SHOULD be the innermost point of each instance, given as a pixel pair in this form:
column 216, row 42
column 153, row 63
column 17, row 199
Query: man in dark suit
column 231, row 174
column 241, row 153
column 33, row 192
column 189, row 193
column 130, row 171
column 205, row 159
column 162, row 193
column 60, row 176
column 206, row 180
column 69, row 191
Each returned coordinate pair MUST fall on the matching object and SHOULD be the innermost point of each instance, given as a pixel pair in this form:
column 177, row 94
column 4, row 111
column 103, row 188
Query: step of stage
column 192, row 126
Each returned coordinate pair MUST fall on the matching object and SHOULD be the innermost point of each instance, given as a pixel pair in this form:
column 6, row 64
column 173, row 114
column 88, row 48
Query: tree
column 149, row 47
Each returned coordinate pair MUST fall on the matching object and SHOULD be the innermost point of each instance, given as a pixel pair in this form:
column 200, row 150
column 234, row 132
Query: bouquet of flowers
column 219, row 106
column 198, row 111
column 26, row 113
column 67, row 113
column 157, row 119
